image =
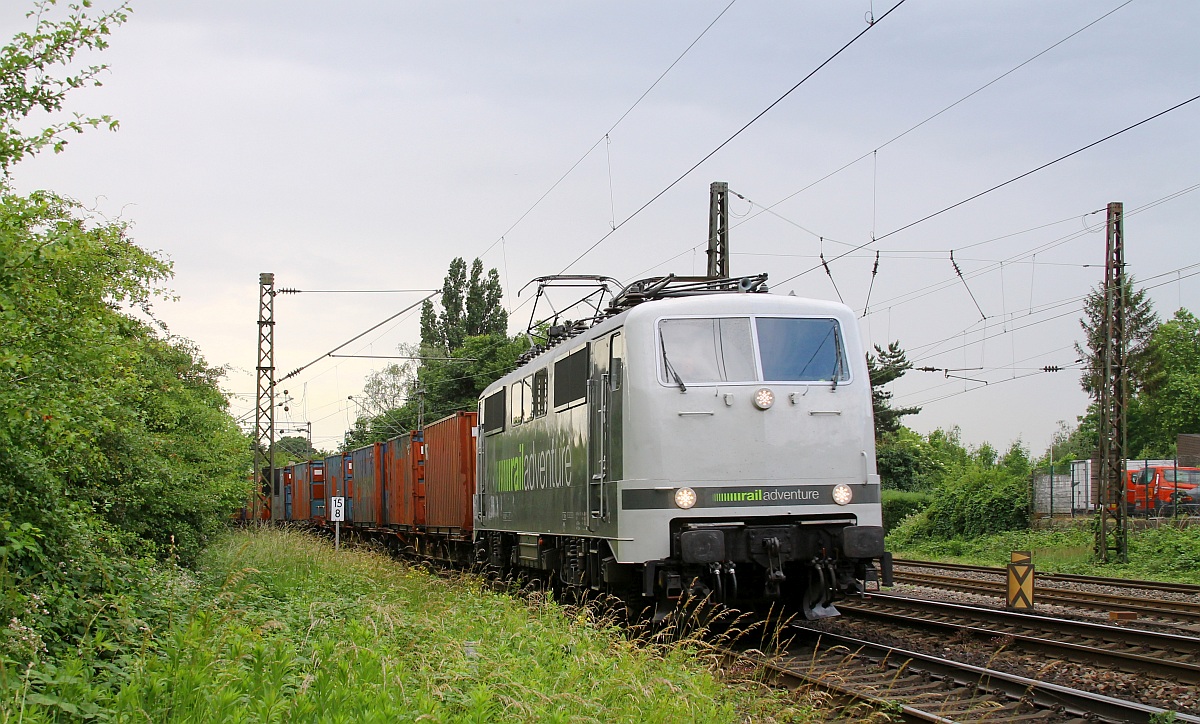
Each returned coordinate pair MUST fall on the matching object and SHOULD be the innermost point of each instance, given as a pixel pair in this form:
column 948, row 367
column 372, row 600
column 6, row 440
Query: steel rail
column 933, row 689
column 1185, row 610
column 1064, row 577
column 1165, row 655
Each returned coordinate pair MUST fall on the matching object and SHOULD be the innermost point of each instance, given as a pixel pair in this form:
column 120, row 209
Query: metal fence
column 1154, row 488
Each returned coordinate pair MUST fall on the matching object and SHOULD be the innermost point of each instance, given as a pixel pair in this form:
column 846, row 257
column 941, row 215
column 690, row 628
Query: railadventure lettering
column 534, row 471
column 750, row 496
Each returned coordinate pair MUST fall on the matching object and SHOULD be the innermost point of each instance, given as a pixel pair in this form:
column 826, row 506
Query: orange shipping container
column 366, row 486
column 401, row 469
column 450, row 473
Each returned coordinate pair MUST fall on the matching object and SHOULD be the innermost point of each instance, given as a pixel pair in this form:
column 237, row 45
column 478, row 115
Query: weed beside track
column 280, row 627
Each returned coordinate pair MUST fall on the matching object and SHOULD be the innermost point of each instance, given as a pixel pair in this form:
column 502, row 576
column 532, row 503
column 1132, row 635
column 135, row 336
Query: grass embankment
column 277, row 627
column 1166, row 553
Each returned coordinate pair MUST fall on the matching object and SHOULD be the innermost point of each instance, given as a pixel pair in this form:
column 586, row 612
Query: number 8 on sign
column 337, row 509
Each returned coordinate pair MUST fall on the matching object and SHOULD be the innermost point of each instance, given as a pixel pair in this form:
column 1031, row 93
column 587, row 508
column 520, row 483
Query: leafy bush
column 116, row 447
column 899, row 504
column 1166, row 551
column 977, row 504
column 906, row 461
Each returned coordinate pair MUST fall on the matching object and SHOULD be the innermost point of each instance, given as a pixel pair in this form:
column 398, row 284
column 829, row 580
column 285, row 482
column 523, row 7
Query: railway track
column 921, row 688
column 1188, row 611
column 1189, row 588
column 1163, row 655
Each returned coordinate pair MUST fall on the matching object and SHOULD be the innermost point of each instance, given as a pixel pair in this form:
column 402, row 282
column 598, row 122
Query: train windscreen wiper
column 837, row 353
column 671, row 368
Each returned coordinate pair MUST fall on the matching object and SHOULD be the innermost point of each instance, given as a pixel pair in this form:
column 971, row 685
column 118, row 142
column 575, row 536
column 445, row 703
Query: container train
column 694, row 437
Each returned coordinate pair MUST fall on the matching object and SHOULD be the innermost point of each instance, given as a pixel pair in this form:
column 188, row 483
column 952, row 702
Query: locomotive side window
column 616, row 355
column 541, row 392
column 708, row 350
column 801, row 350
column 570, row 378
column 494, row 412
column 521, row 401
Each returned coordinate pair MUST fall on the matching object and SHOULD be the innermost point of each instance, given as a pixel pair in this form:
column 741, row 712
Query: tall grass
column 281, row 628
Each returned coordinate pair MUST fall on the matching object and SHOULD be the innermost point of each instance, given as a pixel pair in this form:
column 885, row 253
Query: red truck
column 1163, row 490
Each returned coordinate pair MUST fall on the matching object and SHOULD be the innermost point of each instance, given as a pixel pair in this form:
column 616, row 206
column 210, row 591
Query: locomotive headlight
column 764, row 398
column 685, row 498
column 842, row 494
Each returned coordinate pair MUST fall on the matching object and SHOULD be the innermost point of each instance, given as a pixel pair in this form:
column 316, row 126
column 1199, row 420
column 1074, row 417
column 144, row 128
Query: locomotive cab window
column 706, row 350
column 801, row 350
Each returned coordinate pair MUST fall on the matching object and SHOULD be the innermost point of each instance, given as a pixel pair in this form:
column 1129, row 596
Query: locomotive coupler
column 774, row 562
column 775, row 574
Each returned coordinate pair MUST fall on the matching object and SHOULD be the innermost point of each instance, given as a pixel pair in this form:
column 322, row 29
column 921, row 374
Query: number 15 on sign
column 337, row 513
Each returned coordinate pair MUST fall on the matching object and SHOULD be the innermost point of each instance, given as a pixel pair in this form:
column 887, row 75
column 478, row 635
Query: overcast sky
column 362, row 145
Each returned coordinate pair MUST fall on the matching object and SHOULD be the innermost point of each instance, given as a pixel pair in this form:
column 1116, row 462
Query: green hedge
column 978, row 503
column 899, row 504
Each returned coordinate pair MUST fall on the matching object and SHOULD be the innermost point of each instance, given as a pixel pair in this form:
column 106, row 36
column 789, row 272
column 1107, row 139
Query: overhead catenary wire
column 611, row 128
column 290, row 290
column 966, row 286
column 1020, row 256
column 1076, row 307
column 874, row 273
column 831, row 280
column 1002, row 184
column 728, row 140
column 400, row 356
column 358, row 336
column 1075, row 304
column 935, row 115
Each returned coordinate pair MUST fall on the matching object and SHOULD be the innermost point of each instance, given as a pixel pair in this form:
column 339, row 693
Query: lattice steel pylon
column 718, row 230
column 264, row 414
column 1112, row 531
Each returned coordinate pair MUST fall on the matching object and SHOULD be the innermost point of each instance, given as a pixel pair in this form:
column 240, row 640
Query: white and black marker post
column 337, row 513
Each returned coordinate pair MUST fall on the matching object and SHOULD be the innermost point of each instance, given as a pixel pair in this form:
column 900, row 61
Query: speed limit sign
column 337, row 509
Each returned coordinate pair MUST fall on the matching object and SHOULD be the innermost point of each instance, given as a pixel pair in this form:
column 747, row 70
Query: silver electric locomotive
column 694, row 436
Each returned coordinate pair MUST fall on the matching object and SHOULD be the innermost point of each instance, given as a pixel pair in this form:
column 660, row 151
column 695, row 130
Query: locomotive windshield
column 800, row 350
column 723, row 349
column 709, row 350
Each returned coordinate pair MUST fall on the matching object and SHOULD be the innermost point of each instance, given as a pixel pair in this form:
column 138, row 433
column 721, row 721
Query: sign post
column 337, row 513
column 1020, row 582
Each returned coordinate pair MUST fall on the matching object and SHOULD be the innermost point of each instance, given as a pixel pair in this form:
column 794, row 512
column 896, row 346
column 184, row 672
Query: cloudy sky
column 362, row 145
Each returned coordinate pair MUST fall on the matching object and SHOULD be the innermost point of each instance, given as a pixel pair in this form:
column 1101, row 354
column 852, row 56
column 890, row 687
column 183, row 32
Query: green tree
column 1069, row 443
column 295, row 448
column 906, row 461
column 884, row 367
column 1016, row 461
column 464, row 348
column 116, row 444
column 28, row 85
column 1140, row 322
column 1170, row 401
column 469, row 308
